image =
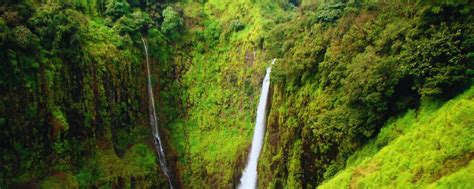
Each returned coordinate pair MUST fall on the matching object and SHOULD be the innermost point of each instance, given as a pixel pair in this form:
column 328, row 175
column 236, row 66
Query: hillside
column 164, row 93
column 430, row 148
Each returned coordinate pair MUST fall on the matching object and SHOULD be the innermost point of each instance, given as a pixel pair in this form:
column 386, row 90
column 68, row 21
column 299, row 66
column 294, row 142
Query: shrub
column 330, row 12
column 24, row 37
column 235, row 25
column 437, row 61
column 172, row 22
column 117, row 9
column 132, row 23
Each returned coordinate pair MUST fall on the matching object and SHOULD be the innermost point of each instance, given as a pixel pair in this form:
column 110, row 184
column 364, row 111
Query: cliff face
column 73, row 99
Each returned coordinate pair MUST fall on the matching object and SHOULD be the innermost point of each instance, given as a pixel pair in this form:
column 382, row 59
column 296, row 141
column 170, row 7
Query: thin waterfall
column 154, row 121
column 249, row 176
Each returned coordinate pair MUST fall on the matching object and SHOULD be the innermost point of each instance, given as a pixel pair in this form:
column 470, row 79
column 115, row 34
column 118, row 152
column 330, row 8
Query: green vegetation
column 430, row 148
column 222, row 82
column 363, row 92
column 341, row 76
column 72, row 95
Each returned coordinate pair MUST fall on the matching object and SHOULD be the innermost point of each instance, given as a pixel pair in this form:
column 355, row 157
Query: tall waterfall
column 249, row 176
column 154, row 121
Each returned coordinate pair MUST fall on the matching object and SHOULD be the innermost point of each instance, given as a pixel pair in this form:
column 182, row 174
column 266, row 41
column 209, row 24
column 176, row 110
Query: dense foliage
column 342, row 75
column 73, row 108
column 72, row 95
column 444, row 163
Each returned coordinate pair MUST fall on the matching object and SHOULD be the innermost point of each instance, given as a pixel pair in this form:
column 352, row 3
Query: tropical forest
column 278, row 94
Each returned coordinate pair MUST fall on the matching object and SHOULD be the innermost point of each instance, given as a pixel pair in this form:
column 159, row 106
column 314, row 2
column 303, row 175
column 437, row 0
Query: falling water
column 249, row 176
column 154, row 121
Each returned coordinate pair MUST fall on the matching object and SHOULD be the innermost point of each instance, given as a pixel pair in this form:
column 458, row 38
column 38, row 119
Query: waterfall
column 154, row 121
column 249, row 176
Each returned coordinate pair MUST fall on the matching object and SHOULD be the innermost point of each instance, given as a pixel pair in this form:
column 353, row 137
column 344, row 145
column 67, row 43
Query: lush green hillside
column 345, row 69
column 358, row 86
column 221, row 83
column 73, row 94
column 430, row 147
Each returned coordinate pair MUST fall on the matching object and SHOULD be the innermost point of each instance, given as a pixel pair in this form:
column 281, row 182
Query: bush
column 329, row 12
column 172, row 22
column 24, row 37
column 437, row 61
column 369, row 86
column 117, row 9
column 236, row 25
column 132, row 23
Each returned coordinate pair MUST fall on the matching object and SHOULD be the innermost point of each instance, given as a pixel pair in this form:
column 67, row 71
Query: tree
column 172, row 22
column 132, row 22
column 117, row 9
column 438, row 62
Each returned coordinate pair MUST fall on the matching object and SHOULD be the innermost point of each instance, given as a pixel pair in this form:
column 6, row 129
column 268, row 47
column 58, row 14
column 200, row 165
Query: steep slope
column 73, row 89
column 430, row 147
column 225, row 65
column 73, row 93
column 344, row 69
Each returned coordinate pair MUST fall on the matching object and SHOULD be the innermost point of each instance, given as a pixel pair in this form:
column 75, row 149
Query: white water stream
column 154, row 121
column 249, row 176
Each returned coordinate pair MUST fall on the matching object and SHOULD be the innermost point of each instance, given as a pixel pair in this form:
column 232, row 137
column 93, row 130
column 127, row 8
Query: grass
column 429, row 148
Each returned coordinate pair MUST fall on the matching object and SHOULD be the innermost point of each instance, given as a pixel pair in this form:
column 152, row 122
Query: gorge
column 236, row 94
